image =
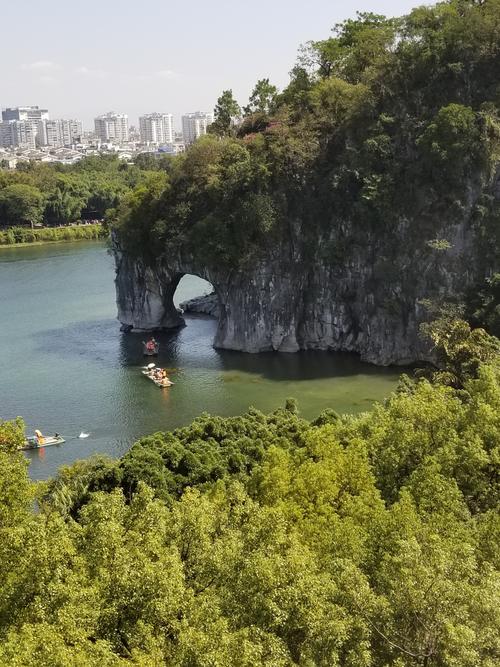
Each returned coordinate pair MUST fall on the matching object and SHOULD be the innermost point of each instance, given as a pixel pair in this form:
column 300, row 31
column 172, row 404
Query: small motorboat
column 157, row 375
column 151, row 348
column 38, row 441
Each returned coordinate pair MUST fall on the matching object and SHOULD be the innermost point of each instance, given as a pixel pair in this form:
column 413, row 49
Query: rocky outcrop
column 202, row 305
column 371, row 303
column 353, row 292
column 144, row 294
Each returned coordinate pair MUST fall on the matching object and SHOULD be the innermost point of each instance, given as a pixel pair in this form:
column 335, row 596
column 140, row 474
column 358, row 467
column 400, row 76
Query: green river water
column 65, row 366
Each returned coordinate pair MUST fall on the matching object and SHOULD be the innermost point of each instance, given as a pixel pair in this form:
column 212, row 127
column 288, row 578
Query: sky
column 81, row 59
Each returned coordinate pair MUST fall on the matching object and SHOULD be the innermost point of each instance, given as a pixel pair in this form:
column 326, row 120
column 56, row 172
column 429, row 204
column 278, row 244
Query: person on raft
column 151, row 345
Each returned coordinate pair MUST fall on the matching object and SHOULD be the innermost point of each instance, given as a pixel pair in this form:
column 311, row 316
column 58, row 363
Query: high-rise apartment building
column 157, row 128
column 194, row 125
column 63, row 132
column 112, row 127
column 25, row 113
column 23, row 127
column 19, row 133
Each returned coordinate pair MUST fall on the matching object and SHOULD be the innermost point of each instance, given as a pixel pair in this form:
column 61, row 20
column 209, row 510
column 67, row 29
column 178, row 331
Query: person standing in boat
column 151, row 345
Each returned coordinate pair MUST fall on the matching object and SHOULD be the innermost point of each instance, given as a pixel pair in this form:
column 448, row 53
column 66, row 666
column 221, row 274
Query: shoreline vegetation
column 42, row 203
column 17, row 236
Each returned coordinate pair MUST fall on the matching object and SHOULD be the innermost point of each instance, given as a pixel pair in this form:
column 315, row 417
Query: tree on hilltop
column 226, row 109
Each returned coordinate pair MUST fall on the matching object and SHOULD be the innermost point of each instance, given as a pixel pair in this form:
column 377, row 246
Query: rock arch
column 255, row 312
column 284, row 303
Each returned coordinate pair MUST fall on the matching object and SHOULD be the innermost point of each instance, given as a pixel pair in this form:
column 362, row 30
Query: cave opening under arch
column 194, row 294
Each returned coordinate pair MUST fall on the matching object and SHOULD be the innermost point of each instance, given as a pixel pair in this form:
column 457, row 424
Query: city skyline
column 112, row 57
column 154, row 127
column 30, row 128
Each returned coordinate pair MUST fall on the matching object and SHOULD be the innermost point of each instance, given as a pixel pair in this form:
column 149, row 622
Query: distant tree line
column 20, row 235
column 53, row 195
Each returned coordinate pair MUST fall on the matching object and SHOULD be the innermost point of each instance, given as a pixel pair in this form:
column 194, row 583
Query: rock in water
column 204, row 305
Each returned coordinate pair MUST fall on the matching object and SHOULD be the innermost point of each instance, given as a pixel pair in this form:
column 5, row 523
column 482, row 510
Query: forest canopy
column 55, row 194
column 369, row 541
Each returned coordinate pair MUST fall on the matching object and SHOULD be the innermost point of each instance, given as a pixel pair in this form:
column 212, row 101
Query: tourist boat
column 149, row 373
column 151, row 351
column 38, row 441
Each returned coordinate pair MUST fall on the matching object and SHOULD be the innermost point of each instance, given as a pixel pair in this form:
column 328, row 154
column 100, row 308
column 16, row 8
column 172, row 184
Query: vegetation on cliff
column 269, row 540
column 389, row 125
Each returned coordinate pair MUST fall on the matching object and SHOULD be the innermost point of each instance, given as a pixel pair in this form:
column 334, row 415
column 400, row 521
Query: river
column 65, row 366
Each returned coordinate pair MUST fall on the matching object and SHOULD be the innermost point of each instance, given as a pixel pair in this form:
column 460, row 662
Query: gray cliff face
column 367, row 302
column 144, row 295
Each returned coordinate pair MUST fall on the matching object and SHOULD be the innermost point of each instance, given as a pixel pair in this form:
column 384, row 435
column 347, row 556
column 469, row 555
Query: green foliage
column 57, row 195
column 11, row 434
column 484, row 305
column 362, row 541
column 335, row 101
column 451, row 143
column 211, row 448
column 72, row 487
column 439, row 244
column 266, row 539
column 358, row 45
column 226, row 109
column 153, row 162
column 459, row 349
column 20, row 204
column 295, row 95
column 388, row 128
column 263, row 98
column 194, row 206
column 15, row 235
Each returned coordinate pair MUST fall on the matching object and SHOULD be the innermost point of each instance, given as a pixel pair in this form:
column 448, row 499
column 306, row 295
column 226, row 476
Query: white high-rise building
column 19, row 133
column 194, row 125
column 63, row 132
column 72, row 131
column 25, row 113
column 112, row 127
column 157, row 128
column 23, row 127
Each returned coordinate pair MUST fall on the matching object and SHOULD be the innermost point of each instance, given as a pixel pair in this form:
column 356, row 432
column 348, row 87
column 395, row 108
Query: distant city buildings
column 63, row 132
column 134, row 134
column 194, row 125
column 31, row 127
column 23, row 126
column 112, row 127
column 157, row 128
column 28, row 133
column 25, row 113
column 18, row 133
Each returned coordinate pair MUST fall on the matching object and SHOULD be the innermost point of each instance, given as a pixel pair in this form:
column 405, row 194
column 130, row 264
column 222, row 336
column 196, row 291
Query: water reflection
column 298, row 367
column 131, row 349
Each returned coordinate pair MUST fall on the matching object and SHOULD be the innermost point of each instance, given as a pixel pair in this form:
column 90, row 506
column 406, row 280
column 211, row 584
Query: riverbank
column 22, row 236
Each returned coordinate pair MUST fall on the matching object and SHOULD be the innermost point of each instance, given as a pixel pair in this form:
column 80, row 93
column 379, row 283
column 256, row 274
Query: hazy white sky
column 80, row 59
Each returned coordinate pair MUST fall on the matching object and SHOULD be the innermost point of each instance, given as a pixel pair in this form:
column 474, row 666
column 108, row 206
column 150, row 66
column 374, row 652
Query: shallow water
column 65, row 366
